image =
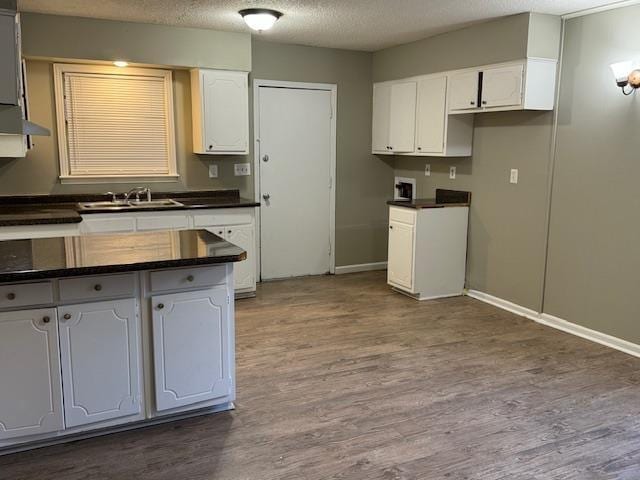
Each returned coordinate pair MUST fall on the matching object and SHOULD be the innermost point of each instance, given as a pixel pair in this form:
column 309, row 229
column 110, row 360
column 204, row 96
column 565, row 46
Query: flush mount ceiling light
column 627, row 75
column 121, row 63
column 260, row 18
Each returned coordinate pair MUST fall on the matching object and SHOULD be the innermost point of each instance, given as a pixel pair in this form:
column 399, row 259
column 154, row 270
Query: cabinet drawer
column 167, row 222
column 24, row 294
column 107, row 225
column 402, row 215
column 181, row 278
column 102, row 286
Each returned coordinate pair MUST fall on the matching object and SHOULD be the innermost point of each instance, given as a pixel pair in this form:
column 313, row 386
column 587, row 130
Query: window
column 114, row 122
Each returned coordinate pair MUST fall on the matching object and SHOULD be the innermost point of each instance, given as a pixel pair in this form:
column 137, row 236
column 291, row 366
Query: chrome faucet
column 137, row 191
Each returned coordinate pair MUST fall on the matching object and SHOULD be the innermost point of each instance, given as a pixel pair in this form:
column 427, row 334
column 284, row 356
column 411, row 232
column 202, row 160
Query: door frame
column 329, row 87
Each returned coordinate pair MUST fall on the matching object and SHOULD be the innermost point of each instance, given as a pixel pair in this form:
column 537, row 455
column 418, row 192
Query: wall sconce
column 627, row 75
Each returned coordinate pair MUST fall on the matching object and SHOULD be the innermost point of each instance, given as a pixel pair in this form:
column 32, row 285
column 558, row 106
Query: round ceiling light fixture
column 260, row 18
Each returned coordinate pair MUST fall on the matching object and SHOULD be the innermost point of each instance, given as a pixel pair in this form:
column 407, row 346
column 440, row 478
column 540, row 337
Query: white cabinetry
column 523, row 85
column 220, row 111
column 30, row 387
column 192, row 347
column 427, row 251
column 394, row 113
column 244, row 272
column 99, row 346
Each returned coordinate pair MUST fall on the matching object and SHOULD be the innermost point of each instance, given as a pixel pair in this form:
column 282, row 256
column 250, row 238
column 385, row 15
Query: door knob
column 265, row 158
column 266, row 196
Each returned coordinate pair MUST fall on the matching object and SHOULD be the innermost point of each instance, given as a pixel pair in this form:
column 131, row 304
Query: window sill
column 76, row 179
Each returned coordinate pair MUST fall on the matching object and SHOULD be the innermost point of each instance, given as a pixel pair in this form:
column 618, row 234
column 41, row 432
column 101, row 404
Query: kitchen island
column 106, row 332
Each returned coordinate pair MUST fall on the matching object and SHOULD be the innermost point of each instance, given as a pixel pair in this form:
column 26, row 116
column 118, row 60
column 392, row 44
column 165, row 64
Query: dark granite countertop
column 42, row 258
column 58, row 209
column 444, row 198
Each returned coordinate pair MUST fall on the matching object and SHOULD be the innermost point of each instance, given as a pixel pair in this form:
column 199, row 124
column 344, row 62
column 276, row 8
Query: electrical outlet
column 242, row 169
column 213, row 170
column 513, row 178
column 452, row 173
column 427, row 170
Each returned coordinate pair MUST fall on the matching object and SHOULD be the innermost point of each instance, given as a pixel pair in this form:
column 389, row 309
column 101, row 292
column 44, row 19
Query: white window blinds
column 116, row 124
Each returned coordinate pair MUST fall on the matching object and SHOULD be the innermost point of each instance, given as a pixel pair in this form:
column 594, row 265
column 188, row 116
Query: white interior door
column 295, row 181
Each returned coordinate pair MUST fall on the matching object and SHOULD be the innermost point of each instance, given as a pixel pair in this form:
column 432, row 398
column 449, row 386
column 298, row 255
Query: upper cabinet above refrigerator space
column 220, row 112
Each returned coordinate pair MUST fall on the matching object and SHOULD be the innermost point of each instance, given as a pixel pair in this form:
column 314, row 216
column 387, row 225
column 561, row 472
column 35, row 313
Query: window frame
column 59, row 69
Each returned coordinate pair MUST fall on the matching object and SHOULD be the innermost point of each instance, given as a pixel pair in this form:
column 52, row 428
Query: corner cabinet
column 220, row 112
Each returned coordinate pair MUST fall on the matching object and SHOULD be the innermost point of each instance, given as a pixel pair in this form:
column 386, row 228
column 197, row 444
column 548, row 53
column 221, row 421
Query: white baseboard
column 363, row 267
column 504, row 304
column 559, row 324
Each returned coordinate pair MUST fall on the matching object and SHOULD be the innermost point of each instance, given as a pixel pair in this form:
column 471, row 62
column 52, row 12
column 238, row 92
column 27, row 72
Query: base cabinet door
column 244, row 272
column 401, row 254
column 99, row 347
column 30, row 387
column 191, row 347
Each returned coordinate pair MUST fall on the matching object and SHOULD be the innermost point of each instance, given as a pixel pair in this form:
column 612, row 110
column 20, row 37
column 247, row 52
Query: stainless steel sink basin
column 128, row 204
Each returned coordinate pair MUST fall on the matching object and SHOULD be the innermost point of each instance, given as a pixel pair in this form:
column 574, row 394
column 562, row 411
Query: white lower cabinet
column 192, row 338
column 428, row 251
column 244, row 272
column 401, row 248
column 99, row 348
column 30, row 387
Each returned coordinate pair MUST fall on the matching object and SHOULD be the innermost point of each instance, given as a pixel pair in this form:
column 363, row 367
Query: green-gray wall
column 594, row 241
column 507, row 227
column 364, row 182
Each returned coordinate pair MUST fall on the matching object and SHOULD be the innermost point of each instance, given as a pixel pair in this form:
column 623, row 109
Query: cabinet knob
column 266, row 196
column 229, row 231
column 190, row 278
column 67, row 316
column 160, row 306
column 210, row 147
column 220, row 232
column 484, row 102
column 419, row 148
column 265, row 158
column 46, row 319
column 11, row 296
column 473, row 103
column 390, row 227
column 97, row 287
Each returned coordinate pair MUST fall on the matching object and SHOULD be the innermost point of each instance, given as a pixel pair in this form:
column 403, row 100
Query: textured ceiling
column 352, row 24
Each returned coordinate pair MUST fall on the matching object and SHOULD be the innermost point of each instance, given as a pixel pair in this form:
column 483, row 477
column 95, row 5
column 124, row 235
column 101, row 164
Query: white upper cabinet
column 99, row 348
column 463, row 91
column 381, row 120
column 30, row 386
column 394, row 114
column 220, row 111
column 410, row 118
column 524, row 85
column 402, row 117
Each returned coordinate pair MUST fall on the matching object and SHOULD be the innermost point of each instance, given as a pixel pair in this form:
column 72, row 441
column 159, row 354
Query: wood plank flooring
column 339, row 378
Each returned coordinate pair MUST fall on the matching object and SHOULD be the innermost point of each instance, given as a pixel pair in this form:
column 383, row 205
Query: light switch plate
column 242, row 169
column 513, row 178
column 427, row 170
column 452, row 173
column 213, row 170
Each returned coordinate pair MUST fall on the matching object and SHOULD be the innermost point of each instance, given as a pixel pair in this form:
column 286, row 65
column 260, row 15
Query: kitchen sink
column 128, row 204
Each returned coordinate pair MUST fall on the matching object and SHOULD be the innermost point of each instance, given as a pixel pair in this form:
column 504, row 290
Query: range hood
column 13, row 123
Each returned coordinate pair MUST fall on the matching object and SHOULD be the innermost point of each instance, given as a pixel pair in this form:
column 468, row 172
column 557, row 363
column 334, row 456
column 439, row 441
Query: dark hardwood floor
column 339, row 378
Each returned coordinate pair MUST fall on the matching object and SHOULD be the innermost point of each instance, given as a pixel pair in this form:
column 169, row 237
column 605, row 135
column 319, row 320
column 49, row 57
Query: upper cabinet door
column 463, row 91
column 220, row 109
column 381, row 112
column 9, row 59
column 99, row 347
column 191, row 347
column 502, row 86
column 402, row 129
column 431, row 115
column 30, row 387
